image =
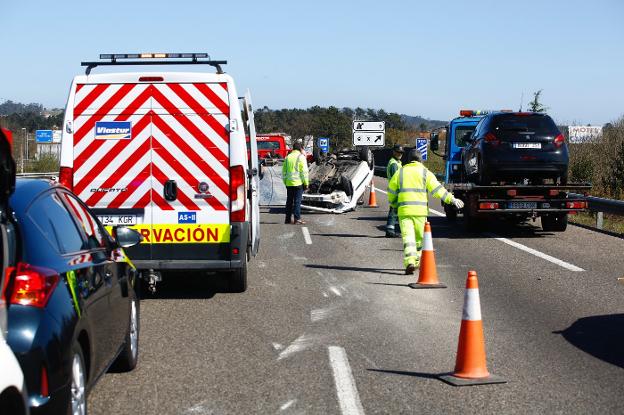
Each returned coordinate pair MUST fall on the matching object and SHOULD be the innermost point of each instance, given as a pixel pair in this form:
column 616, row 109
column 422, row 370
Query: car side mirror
column 126, row 237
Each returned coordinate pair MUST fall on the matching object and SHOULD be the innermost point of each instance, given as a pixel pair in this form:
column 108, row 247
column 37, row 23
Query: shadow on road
column 371, row 218
column 361, row 269
column 600, row 336
column 442, row 228
column 387, row 283
column 192, row 286
column 406, row 373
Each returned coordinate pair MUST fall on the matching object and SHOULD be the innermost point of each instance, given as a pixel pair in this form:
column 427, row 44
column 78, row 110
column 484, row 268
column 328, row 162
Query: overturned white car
column 338, row 180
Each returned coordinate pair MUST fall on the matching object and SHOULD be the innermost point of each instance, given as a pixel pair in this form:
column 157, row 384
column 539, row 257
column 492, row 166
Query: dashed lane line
column 306, row 235
column 346, row 390
column 539, row 254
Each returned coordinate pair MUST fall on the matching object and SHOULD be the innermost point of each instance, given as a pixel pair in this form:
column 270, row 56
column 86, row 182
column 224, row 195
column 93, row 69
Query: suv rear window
column 540, row 124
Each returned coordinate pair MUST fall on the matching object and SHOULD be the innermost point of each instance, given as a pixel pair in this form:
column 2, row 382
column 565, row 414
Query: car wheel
column 237, row 282
column 129, row 355
column 346, row 185
column 555, row 223
column 365, row 154
column 78, row 384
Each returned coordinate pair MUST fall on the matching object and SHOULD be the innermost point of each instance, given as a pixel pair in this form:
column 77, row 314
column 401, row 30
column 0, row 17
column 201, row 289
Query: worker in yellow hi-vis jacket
column 296, row 179
column 408, row 192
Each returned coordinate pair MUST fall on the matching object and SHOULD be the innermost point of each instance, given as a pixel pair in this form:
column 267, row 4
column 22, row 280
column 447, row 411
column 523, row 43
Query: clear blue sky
column 419, row 58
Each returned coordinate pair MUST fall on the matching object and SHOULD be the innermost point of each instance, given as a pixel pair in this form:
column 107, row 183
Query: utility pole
column 24, row 143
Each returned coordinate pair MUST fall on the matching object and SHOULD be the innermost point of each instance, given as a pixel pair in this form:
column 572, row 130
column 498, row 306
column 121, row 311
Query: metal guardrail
column 37, row 175
column 601, row 206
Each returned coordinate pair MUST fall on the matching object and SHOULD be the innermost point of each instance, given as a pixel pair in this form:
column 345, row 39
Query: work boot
column 391, row 235
column 410, row 269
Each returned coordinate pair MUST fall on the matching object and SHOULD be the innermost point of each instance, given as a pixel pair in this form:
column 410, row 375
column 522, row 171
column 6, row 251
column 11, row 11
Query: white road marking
column 306, row 235
column 336, row 291
column 525, row 248
column 301, row 343
column 277, row 346
column 537, row 253
column 381, row 191
column 345, row 384
column 288, row 404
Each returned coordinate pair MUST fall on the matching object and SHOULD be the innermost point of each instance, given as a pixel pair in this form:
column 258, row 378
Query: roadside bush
column 601, row 162
column 46, row 164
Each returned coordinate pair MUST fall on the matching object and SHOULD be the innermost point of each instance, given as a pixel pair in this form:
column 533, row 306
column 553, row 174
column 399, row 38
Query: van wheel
column 555, row 223
column 238, row 279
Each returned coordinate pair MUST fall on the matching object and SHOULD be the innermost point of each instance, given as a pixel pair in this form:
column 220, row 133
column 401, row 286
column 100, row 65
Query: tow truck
column 516, row 202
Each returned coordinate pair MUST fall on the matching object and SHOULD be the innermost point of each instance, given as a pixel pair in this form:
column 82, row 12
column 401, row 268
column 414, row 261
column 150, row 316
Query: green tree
column 535, row 105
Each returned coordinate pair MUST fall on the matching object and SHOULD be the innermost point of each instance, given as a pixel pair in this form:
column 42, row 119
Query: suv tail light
column 66, row 177
column 576, row 205
column 32, row 286
column 237, row 194
column 559, row 140
column 492, row 139
column 488, row 205
column 45, row 392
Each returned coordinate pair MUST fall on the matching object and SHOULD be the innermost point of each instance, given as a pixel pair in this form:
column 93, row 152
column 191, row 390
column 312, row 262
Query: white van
column 165, row 153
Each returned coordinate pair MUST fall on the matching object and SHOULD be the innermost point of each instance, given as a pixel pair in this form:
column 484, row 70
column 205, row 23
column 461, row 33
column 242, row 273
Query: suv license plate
column 522, row 205
column 117, row 220
column 527, row 145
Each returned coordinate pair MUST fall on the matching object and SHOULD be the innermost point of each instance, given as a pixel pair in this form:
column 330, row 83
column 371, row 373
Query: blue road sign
column 43, row 136
column 323, row 144
column 421, row 145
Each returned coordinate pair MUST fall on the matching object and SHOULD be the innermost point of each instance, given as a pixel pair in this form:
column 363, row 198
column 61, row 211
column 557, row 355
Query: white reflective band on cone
column 427, row 242
column 472, row 305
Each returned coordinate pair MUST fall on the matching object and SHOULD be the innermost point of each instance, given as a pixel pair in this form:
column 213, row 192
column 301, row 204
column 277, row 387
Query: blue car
column 72, row 308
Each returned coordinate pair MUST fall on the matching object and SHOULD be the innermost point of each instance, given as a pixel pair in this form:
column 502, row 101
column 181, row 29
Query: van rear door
column 190, row 171
column 112, row 153
column 254, row 177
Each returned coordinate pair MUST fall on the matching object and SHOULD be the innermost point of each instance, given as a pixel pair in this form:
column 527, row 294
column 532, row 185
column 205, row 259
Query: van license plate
column 522, row 205
column 118, row 220
column 527, row 145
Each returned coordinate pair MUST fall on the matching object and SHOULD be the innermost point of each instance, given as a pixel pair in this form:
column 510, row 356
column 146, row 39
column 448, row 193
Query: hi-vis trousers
column 412, row 229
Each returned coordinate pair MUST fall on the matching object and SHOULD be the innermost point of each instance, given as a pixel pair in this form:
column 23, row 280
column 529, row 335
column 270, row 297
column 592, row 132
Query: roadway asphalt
column 555, row 334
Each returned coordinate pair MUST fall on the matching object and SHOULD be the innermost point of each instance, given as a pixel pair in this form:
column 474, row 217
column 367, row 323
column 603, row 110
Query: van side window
column 53, row 220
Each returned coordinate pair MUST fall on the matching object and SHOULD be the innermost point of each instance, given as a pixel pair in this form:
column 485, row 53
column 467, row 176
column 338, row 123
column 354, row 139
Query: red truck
column 273, row 145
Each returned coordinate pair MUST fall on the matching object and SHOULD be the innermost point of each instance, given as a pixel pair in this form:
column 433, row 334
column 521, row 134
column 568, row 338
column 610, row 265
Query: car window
column 461, row 133
column 90, row 225
column 56, row 224
column 268, row 145
column 519, row 123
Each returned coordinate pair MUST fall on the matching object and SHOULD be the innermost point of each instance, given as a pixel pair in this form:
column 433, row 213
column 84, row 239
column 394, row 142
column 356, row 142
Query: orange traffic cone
column 427, row 276
column 372, row 198
column 470, row 366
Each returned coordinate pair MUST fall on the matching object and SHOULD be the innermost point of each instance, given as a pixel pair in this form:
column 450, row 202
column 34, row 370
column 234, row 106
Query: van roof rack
column 119, row 59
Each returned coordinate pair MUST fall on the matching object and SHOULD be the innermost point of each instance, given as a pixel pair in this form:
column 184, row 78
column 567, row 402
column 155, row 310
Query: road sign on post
column 369, row 133
column 43, row 136
column 421, row 145
column 323, row 144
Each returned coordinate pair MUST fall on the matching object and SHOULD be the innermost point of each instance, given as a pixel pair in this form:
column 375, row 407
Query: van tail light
column 576, row 205
column 512, row 192
column 32, row 286
column 559, row 140
column 66, row 177
column 488, row 205
column 44, row 382
column 237, row 194
column 492, row 139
